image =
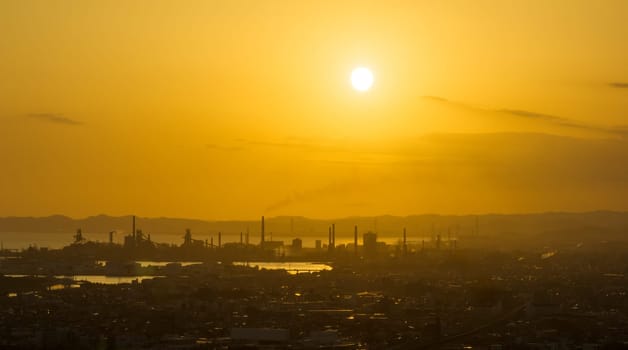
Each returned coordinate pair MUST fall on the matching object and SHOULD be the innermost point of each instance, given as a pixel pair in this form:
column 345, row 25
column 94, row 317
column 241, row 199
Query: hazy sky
column 234, row 109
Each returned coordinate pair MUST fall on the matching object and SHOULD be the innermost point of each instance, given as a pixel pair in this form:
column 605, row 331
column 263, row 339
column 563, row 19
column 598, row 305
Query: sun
column 361, row 78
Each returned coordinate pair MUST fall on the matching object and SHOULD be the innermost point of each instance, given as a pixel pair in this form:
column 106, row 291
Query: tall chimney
column 333, row 235
column 134, row 237
column 219, row 239
column 262, row 243
column 355, row 239
column 405, row 243
column 241, row 238
column 449, row 236
column 329, row 241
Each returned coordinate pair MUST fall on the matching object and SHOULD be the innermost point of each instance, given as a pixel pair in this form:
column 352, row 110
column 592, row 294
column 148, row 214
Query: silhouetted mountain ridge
column 386, row 225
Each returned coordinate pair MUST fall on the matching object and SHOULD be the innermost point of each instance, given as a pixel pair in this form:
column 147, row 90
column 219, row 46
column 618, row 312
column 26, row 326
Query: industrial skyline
column 281, row 174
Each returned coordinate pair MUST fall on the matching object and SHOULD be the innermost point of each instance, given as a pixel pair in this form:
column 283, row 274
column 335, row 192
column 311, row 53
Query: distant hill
column 607, row 223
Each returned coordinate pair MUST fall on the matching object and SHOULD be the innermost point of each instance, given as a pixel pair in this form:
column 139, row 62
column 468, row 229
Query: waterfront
column 293, row 267
column 144, row 263
column 99, row 279
column 58, row 240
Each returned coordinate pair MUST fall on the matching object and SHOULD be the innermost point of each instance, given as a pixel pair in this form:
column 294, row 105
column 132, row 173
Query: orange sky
column 234, row 109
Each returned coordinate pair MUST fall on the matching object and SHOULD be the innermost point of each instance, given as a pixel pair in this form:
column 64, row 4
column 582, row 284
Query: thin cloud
column 436, row 98
column 455, row 103
column 303, row 145
column 553, row 119
column 622, row 130
column 619, row 85
column 532, row 115
column 549, row 118
column 317, row 147
column 217, row 147
column 54, row 118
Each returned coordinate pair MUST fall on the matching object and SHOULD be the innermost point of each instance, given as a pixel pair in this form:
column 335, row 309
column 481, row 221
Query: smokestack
column 211, row 240
column 333, row 235
column 405, row 243
column 134, row 237
column 355, row 239
column 449, row 237
column 240, row 238
column 111, row 237
column 247, row 235
column 262, row 243
column 329, row 241
column 219, row 239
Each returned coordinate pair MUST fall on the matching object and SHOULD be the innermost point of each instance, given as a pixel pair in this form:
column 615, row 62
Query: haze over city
column 276, row 174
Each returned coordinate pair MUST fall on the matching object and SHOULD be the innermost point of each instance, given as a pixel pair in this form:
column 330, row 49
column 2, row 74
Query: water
column 146, row 263
column 291, row 267
column 22, row 240
column 101, row 279
column 63, row 286
column 164, row 263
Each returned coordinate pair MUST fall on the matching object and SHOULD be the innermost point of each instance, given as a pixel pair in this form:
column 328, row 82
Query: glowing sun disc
column 361, row 78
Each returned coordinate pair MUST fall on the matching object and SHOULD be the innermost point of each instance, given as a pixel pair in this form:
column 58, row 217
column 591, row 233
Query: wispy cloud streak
column 227, row 148
column 54, row 118
column 549, row 118
column 618, row 85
